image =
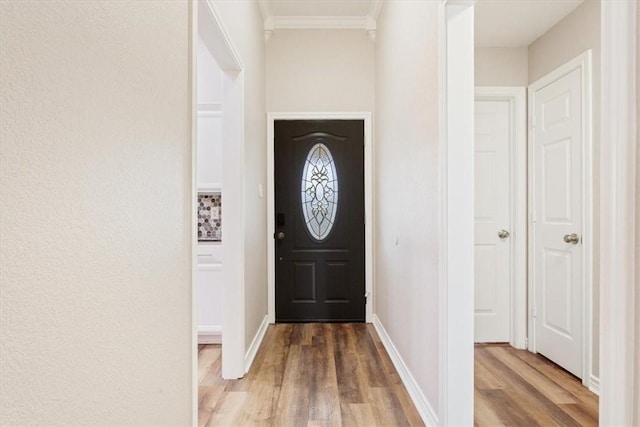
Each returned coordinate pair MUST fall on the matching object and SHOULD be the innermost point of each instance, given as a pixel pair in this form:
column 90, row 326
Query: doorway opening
column 273, row 220
column 217, row 95
column 546, row 306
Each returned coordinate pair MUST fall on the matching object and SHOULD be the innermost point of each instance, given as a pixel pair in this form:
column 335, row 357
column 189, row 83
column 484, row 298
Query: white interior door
column 557, row 140
column 492, row 221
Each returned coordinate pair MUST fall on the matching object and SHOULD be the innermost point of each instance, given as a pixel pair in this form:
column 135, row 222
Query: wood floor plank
column 485, row 412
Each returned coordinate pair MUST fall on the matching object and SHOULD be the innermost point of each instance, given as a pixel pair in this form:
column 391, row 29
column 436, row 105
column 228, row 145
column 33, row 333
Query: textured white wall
column 501, row 66
column 320, row 70
column 244, row 22
column 637, row 367
column 95, row 204
column 406, row 183
column 575, row 34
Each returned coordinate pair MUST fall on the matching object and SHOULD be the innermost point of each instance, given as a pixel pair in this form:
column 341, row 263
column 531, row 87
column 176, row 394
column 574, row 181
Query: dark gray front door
column 319, row 212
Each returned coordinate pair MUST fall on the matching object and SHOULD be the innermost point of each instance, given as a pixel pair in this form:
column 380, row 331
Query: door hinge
column 366, row 297
column 535, row 312
column 526, row 343
column 533, row 120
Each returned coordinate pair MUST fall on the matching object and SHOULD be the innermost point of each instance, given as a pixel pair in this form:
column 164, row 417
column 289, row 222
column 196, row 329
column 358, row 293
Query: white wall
column 407, row 188
column 95, row 175
column 320, row 70
column 209, row 76
column 575, row 34
column 637, row 350
column 243, row 21
column 209, row 139
column 501, row 66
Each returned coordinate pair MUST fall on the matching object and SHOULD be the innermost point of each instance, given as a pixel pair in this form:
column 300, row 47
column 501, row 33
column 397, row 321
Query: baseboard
column 209, row 334
column 422, row 404
column 255, row 344
column 594, row 385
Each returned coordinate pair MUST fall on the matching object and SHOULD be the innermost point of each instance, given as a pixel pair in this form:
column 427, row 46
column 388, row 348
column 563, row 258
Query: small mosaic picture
column 210, row 217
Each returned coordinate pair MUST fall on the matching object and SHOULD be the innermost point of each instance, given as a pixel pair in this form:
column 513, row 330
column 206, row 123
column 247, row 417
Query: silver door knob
column 572, row 238
column 280, row 235
column 503, row 234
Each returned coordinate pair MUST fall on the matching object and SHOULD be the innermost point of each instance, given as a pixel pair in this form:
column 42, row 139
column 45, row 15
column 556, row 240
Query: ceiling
column 319, row 7
column 498, row 23
column 516, row 23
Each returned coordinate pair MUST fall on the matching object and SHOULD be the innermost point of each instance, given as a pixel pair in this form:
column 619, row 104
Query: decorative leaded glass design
column 319, row 191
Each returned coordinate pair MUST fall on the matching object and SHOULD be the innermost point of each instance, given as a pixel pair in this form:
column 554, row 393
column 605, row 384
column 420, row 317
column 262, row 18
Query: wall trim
column 584, row 64
column 594, row 385
column 368, row 200
column 423, row 406
column 255, row 344
column 618, row 192
column 209, row 334
column 516, row 97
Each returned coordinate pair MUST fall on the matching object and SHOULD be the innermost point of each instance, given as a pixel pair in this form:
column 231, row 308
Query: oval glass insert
column 319, row 191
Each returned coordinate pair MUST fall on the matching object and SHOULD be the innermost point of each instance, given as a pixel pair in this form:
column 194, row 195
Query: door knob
column 572, row 238
column 280, row 235
column 503, row 234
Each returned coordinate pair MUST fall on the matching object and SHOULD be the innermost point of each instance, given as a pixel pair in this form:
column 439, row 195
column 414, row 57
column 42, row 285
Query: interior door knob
column 280, row 235
column 503, row 234
column 572, row 238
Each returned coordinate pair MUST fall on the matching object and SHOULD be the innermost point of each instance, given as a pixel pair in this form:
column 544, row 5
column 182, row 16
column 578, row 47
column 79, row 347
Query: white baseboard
column 594, row 385
column 209, row 334
column 255, row 344
column 422, row 404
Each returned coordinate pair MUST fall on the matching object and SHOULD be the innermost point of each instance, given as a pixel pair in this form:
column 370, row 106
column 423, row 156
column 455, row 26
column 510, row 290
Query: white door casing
column 500, row 203
column 492, row 217
column 560, row 216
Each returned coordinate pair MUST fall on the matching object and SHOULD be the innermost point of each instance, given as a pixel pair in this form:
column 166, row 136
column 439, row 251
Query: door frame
column 205, row 16
column 368, row 201
column 582, row 62
column 619, row 314
column 516, row 97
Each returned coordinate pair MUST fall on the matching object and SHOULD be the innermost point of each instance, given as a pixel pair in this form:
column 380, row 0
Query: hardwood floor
column 340, row 375
column 515, row 387
column 308, row 375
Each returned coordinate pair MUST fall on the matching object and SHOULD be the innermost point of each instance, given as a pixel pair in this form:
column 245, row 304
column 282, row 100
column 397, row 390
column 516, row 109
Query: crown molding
column 320, row 22
column 366, row 22
column 374, row 11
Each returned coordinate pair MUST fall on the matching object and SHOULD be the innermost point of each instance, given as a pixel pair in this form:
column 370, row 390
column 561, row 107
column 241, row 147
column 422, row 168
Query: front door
column 557, row 222
column 319, row 214
column 493, row 202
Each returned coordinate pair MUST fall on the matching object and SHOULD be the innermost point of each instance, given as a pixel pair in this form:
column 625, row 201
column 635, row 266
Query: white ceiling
column 319, row 7
column 498, row 23
column 517, row 23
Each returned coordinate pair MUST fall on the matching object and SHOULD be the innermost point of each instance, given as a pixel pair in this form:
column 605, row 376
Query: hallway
column 308, row 374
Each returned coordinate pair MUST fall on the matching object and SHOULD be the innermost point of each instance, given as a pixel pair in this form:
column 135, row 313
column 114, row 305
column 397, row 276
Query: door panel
column 492, row 214
column 319, row 211
column 557, row 199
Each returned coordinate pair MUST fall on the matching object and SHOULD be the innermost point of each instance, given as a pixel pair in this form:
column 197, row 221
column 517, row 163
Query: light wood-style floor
column 341, row 375
column 519, row 388
column 308, row 375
